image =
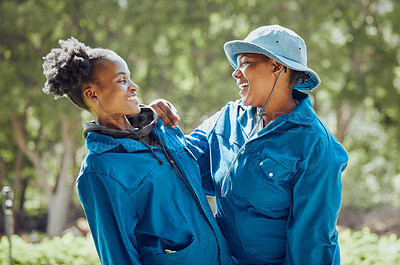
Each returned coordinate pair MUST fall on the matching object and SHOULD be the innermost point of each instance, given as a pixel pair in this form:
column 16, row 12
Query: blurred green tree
column 174, row 50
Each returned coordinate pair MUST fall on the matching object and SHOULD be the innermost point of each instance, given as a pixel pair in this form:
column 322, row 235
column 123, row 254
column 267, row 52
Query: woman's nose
column 132, row 86
column 236, row 74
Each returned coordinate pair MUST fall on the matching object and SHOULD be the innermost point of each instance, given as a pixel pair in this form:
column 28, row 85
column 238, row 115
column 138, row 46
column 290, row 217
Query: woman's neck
column 278, row 108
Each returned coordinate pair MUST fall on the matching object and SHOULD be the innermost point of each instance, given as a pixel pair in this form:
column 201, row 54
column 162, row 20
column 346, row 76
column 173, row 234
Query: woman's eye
column 122, row 81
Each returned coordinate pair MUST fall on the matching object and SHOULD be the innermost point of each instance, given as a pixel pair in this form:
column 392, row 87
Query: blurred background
column 174, row 51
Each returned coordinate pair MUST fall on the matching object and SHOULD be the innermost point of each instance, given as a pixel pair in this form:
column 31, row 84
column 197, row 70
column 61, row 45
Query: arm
column 312, row 237
column 198, row 144
column 112, row 218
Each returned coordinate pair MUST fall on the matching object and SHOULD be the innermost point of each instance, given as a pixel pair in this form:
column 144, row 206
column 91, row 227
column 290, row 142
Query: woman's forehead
column 114, row 62
column 241, row 56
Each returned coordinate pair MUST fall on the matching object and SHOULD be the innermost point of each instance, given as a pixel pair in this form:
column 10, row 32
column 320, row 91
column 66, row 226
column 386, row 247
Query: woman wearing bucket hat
column 273, row 165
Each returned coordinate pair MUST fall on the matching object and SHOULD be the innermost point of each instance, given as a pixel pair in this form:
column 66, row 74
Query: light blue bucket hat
column 280, row 44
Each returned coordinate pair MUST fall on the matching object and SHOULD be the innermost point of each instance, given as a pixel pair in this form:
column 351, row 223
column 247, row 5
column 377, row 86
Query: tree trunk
column 17, row 176
column 58, row 207
column 58, row 201
column 344, row 115
column 33, row 155
column 19, row 213
column 3, row 171
column 17, row 189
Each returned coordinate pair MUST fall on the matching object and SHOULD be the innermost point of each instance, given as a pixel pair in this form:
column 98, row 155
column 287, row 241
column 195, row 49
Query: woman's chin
column 243, row 95
column 245, row 102
column 134, row 110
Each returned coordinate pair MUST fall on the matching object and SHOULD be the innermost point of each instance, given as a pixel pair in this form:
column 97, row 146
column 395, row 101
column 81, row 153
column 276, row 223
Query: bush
column 357, row 248
column 66, row 250
column 366, row 248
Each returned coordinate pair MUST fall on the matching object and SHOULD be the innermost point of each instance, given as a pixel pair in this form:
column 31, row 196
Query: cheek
column 113, row 100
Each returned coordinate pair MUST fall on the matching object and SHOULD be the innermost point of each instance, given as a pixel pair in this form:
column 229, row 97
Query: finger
column 159, row 109
column 168, row 114
column 175, row 113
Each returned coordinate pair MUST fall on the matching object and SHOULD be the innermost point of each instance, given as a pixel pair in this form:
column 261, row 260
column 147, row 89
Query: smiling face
column 113, row 94
column 255, row 78
column 117, row 93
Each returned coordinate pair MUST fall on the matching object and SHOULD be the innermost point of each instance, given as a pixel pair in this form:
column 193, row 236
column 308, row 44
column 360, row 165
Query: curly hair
column 294, row 76
column 70, row 66
column 297, row 76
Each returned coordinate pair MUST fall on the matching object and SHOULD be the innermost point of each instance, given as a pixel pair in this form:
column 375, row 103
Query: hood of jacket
column 143, row 123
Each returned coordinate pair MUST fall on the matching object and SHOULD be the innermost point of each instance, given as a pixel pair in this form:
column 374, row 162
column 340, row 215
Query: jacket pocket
column 186, row 255
column 263, row 239
column 273, row 186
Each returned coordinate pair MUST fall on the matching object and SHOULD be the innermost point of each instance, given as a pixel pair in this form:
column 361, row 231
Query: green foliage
column 366, row 248
column 373, row 175
column 67, row 250
column 357, row 248
column 174, row 51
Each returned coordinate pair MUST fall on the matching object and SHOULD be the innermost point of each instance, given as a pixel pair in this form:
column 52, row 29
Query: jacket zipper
column 174, row 165
column 187, row 183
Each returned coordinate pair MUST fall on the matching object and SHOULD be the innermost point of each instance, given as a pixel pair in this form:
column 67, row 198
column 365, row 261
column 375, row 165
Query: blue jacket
column 286, row 184
column 141, row 211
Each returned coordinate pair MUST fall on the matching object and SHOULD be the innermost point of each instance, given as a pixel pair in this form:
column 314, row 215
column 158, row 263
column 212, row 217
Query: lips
column 243, row 85
column 131, row 97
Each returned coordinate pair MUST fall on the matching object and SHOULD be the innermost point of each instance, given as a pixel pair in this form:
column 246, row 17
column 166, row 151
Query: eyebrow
column 243, row 55
column 122, row 73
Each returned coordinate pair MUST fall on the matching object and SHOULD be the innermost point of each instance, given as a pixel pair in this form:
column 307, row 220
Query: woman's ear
column 277, row 67
column 90, row 94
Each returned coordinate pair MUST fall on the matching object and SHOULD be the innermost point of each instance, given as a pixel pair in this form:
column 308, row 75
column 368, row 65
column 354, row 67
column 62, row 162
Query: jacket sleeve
column 198, row 144
column 112, row 218
column 317, row 188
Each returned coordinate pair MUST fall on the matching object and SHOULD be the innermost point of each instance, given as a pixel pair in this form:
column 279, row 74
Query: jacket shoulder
column 129, row 169
column 323, row 138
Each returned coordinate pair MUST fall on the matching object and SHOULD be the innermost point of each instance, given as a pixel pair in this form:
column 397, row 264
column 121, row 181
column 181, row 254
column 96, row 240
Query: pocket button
column 270, row 174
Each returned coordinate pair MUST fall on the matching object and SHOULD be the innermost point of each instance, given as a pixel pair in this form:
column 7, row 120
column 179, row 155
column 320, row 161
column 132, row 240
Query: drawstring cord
column 173, row 164
column 165, row 151
column 170, row 160
column 154, row 153
column 149, row 147
column 226, row 182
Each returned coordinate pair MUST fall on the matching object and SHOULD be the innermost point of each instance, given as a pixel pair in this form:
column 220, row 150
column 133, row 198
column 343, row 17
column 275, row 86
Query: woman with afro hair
column 139, row 185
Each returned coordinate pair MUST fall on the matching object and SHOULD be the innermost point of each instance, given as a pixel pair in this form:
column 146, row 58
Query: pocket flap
column 272, row 168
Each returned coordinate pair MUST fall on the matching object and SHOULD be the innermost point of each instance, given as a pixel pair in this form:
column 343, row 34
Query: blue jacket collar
column 246, row 117
column 302, row 114
column 100, row 143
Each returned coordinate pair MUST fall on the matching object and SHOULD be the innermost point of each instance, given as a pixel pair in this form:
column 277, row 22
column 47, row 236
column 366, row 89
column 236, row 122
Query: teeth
column 131, row 98
column 243, row 85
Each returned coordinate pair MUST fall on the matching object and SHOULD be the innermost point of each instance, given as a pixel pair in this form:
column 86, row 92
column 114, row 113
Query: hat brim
column 232, row 48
